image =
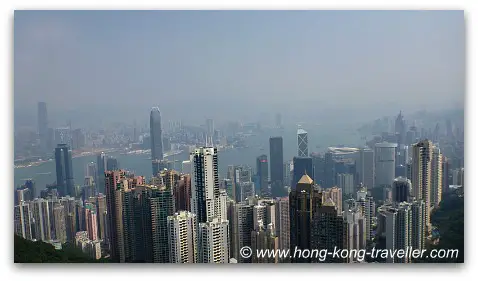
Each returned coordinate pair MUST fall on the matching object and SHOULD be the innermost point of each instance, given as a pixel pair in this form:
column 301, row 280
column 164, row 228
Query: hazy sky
column 236, row 64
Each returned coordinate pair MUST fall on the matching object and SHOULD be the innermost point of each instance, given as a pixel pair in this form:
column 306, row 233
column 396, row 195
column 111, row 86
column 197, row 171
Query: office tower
column 385, row 153
column 101, row 164
column 401, row 189
column 402, row 155
column 91, row 221
column 162, row 206
column 327, row 230
column 422, row 175
column 182, row 193
column 276, row 160
column 63, row 136
column 302, row 166
column 366, row 167
column 64, row 170
column 418, row 224
column 242, row 227
column 182, row 234
column 60, row 223
column 302, row 143
column 204, row 183
column 262, row 167
column 283, row 222
column 288, row 174
column 156, row 134
column 334, row 193
column 242, row 182
column 367, row 206
column 186, row 167
column 329, row 170
column 213, row 241
column 264, row 238
column 304, row 201
column 436, row 187
column 41, row 218
column 112, row 164
column 278, row 120
column 43, row 126
column 346, row 183
column 22, row 221
column 446, row 175
column 400, row 128
column 101, row 213
column 401, row 171
column 318, row 165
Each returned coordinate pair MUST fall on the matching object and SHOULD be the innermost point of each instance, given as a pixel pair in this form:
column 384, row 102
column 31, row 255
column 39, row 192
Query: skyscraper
column 156, row 134
column 318, row 164
column 162, row 206
column 101, row 213
column 385, row 153
column 112, row 164
column 182, row 193
column 304, row 201
column 346, row 183
column 283, row 222
column 436, row 187
column 213, row 241
column 101, row 165
column 262, row 167
column 302, row 166
column 243, row 224
column 276, row 160
column 43, row 126
column 204, row 183
column 302, row 143
column 334, row 193
column 63, row 136
column 22, row 221
column 422, row 175
column 329, row 170
column 182, row 234
column 64, row 170
column 366, row 168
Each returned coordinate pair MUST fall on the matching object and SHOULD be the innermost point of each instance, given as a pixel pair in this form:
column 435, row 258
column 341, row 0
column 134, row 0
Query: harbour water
column 140, row 164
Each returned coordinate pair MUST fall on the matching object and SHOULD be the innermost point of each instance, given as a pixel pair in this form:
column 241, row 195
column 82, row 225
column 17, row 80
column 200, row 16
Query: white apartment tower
column 213, row 241
column 182, row 237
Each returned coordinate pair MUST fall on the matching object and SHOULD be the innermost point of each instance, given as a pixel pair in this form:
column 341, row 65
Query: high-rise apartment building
column 182, row 234
column 213, row 241
column 156, row 134
column 204, row 183
column 422, row 158
column 283, row 222
column 101, row 165
column 334, row 193
column 436, row 187
column 182, row 193
column 243, row 224
column 91, row 221
column 276, row 161
column 23, row 221
column 43, row 223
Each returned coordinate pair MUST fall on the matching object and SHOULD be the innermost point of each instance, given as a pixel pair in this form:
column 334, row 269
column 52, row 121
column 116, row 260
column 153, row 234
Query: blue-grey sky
column 237, row 64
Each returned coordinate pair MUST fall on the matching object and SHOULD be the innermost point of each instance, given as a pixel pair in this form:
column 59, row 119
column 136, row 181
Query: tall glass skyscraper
column 302, row 143
column 64, row 170
column 276, row 168
column 156, row 134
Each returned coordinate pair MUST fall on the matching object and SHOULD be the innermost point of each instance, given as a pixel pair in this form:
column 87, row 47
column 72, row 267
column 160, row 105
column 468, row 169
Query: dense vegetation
column 26, row 251
column 449, row 219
